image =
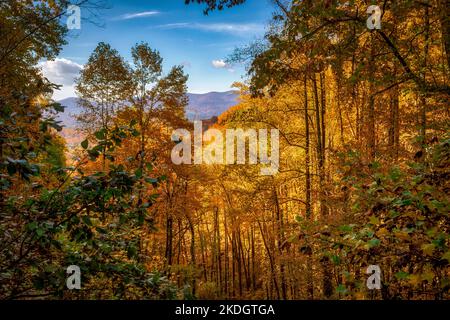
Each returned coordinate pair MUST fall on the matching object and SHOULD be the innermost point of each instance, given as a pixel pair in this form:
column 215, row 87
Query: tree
column 104, row 86
column 216, row 4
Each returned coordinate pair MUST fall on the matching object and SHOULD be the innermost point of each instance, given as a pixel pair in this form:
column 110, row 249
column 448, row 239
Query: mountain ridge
column 202, row 106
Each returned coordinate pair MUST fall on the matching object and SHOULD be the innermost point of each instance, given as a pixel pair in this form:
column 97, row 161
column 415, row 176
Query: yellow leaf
column 402, row 235
column 360, row 296
column 428, row 249
column 382, row 232
column 415, row 279
column 429, row 276
column 446, row 256
column 374, row 220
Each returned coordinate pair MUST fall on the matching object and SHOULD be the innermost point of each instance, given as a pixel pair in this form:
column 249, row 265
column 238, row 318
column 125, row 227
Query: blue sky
column 181, row 33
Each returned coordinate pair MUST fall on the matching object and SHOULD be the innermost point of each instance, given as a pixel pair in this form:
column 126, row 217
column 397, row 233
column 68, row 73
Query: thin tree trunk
column 280, row 235
column 226, row 277
column 326, row 267
column 423, row 100
column 371, row 139
column 309, row 276
column 443, row 7
column 394, row 134
column 218, row 242
column 193, row 260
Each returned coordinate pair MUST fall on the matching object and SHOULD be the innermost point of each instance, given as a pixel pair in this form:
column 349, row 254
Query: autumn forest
column 363, row 116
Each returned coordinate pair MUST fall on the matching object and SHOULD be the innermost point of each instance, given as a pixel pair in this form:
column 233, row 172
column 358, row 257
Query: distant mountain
column 205, row 106
column 72, row 109
column 201, row 106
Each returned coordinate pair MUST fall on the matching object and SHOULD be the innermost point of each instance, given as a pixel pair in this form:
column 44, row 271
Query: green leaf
column 40, row 232
column 11, row 169
column 101, row 230
column 132, row 252
column 85, row 144
column 38, row 283
column 87, row 220
column 402, row 275
column 341, row 289
column 336, row 259
column 394, row 214
column 141, row 219
column 375, row 165
column 395, row 174
column 32, row 226
column 100, row 135
column 94, row 154
column 347, row 228
column 373, row 243
column 406, row 202
column 439, row 242
column 138, row 173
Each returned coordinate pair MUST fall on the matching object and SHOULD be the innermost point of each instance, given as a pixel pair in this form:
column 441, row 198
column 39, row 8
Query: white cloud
column 234, row 28
column 186, row 64
column 136, row 15
column 64, row 92
column 61, row 71
column 231, row 28
column 219, row 64
column 178, row 25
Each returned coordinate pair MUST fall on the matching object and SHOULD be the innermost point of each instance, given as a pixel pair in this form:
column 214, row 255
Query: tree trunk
column 371, row 139
column 309, row 276
column 326, row 267
column 444, row 6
